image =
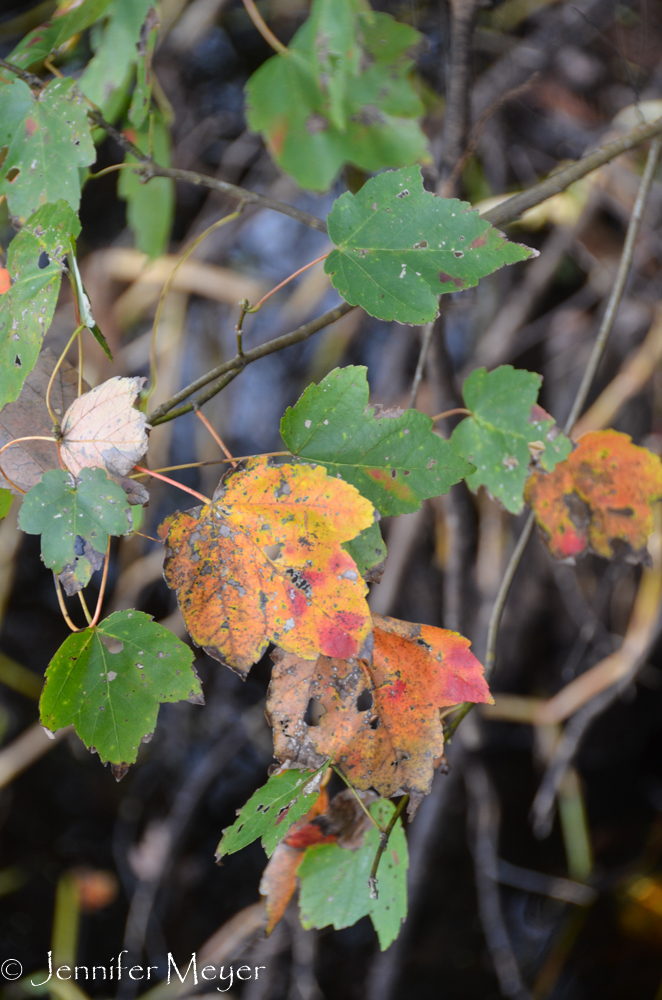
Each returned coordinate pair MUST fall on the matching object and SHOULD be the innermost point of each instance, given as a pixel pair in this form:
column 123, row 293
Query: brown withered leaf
column 379, row 723
column 264, row 563
column 28, row 415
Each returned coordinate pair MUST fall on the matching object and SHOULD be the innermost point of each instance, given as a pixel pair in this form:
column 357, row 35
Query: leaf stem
column 216, row 461
column 264, row 30
column 258, row 305
column 172, row 482
column 383, row 843
column 76, row 333
column 358, row 799
column 451, row 413
column 102, row 588
column 111, row 169
column 166, row 288
column 86, row 610
column 217, row 438
column 167, row 411
column 63, row 608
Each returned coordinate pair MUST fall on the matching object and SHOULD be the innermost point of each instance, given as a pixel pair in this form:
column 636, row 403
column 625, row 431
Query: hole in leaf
column 17, row 362
column 44, row 260
column 393, row 473
column 273, row 552
column 375, row 723
column 13, row 173
column 112, row 645
column 458, row 253
column 364, row 701
column 314, row 712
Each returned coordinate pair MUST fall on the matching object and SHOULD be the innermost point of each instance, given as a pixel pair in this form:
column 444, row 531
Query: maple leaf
column 264, row 563
column 102, row 428
column 380, row 722
column 599, row 498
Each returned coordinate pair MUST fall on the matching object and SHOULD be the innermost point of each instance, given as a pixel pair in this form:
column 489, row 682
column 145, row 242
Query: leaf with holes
column 334, row 881
column 26, row 462
column 505, row 429
column 394, row 458
column 107, row 75
column 379, row 723
column 34, row 262
column 75, row 519
column 264, row 563
column 271, row 811
column 112, row 698
column 398, row 247
column 102, row 429
column 47, row 138
column 598, row 499
column 342, row 93
column 49, row 36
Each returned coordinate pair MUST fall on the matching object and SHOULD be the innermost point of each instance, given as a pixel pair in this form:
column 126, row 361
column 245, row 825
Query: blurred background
column 565, row 903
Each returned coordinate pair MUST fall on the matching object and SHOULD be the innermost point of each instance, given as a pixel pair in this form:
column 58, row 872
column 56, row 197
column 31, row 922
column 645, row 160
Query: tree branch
column 29, row 78
column 510, row 210
column 383, row 844
column 232, row 367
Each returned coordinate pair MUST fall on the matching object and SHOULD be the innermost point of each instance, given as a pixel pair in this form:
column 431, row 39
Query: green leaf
column 112, row 698
column 395, row 460
column 26, row 310
column 142, row 95
column 399, row 247
column 84, row 305
column 6, row 497
column 368, row 552
column 341, row 94
column 151, row 206
column 334, row 882
column 47, row 140
column 49, row 36
column 505, row 419
column 107, row 75
column 75, row 519
column 271, row 811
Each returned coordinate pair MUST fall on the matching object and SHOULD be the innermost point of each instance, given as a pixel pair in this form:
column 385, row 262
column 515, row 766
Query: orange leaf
column 264, row 563
column 103, row 430
column 5, row 280
column 380, row 723
column 600, row 495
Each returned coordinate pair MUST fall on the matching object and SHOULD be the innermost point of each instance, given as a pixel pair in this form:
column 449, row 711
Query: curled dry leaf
column 379, row 723
column 102, row 428
column 264, row 563
column 598, row 499
column 28, row 415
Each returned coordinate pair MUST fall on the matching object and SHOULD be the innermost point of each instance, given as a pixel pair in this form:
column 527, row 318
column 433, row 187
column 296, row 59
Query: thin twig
column 383, row 843
column 236, row 364
column 76, row 333
column 619, row 284
column 166, row 288
column 426, row 337
column 458, row 85
column 215, row 461
column 264, row 29
column 29, row 78
column 448, row 186
column 510, row 210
